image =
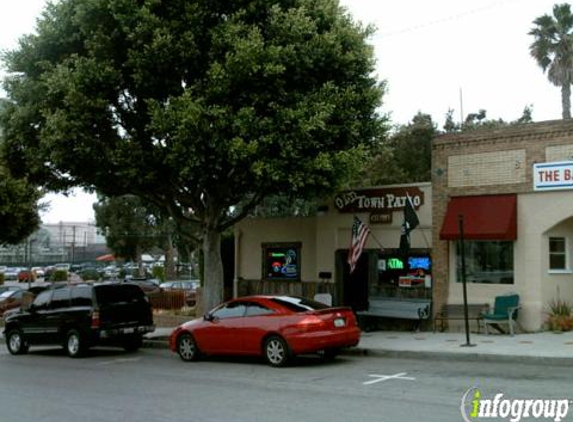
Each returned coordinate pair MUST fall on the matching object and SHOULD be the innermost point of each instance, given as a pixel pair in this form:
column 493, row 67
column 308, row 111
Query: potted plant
column 559, row 317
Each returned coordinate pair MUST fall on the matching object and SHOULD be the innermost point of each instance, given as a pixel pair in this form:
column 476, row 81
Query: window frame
column 563, row 253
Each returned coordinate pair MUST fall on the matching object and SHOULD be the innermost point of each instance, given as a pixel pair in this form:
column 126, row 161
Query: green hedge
column 59, row 275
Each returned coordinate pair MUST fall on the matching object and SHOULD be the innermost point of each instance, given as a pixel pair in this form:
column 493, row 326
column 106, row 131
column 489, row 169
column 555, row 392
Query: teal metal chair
column 504, row 312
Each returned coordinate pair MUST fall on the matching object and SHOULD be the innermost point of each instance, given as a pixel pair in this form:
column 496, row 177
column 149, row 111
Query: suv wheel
column 16, row 343
column 74, row 344
column 132, row 344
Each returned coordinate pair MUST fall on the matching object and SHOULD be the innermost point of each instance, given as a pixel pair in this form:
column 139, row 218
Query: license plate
column 129, row 330
column 339, row 322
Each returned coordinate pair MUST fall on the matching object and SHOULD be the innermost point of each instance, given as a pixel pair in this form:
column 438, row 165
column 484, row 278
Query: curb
column 155, row 343
column 163, row 343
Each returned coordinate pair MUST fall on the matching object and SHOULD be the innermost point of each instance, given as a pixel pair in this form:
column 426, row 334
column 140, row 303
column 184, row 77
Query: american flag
column 359, row 234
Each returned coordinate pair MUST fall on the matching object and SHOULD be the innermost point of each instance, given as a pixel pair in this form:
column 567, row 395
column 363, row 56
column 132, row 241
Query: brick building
column 512, row 187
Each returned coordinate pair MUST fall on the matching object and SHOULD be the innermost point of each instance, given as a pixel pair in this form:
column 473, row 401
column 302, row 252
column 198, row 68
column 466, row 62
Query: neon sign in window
column 282, row 262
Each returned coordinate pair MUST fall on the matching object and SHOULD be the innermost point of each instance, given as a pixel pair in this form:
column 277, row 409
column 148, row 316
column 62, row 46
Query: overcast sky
column 435, row 55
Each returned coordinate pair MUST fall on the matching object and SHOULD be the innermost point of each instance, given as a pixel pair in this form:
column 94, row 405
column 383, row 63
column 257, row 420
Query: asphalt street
column 154, row 385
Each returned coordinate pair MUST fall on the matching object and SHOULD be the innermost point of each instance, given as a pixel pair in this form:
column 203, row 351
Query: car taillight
column 311, row 323
column 95, row 319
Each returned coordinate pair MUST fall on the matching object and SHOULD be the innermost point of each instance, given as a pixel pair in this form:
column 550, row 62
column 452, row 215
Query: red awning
column 491, row 217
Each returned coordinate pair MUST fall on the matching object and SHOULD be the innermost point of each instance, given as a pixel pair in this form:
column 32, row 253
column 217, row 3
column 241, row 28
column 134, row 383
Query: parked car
column 81, row 316
column 276, row 327
column 188, row 287
column 11, row 273
column 38, row 271
column 25, row 275
column 148, row 285
column 11, row 299
column 7, row 288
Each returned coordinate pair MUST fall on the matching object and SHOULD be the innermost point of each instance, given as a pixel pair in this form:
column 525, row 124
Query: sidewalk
column 526, row 348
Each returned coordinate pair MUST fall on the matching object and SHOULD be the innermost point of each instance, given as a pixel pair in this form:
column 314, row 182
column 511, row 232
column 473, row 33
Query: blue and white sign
column 553, row 176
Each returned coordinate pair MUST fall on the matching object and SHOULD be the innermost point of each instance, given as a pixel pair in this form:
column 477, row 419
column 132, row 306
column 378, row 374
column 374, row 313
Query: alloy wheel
column 276, row 351
column 187, row 348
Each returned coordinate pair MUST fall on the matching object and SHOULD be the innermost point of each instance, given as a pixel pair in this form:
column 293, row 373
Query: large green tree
column 18, row 208
column 202, row 108
column 19, row 204
column 552, row 48
column 129, row 228
column 405, row 157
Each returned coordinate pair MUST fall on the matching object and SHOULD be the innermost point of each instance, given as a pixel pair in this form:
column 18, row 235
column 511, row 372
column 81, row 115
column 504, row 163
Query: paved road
column 155, row 386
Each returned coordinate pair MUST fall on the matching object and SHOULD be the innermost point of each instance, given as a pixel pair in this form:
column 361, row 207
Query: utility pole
column 73, row 243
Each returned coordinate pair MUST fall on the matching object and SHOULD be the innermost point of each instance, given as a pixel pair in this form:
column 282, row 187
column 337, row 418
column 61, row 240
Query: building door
column 354, row 286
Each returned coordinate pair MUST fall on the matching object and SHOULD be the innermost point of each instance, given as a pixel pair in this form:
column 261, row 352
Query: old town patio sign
column 379, row 202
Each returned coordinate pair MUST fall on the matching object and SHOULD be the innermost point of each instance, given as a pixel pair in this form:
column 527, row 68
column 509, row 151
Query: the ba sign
column 553, row 176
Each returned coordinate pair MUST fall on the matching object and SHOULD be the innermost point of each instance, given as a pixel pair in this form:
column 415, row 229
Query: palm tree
column 553, row 50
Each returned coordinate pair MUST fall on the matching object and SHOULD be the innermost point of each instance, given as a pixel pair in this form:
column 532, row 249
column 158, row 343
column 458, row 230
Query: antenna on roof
column 461, row 108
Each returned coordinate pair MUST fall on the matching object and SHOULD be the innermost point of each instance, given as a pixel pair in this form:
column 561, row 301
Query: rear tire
column 187, row 348
column 16, row 343
column 276, row 351
column 133, row 344
column 75, row 344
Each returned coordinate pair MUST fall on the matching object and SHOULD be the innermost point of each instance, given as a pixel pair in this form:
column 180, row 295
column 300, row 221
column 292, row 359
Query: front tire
column 276, row 351
column 16, row 343
column 187, row 348
column 75, row 344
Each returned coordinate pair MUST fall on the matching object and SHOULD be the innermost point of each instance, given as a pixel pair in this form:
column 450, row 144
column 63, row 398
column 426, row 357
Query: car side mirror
column 208, row 317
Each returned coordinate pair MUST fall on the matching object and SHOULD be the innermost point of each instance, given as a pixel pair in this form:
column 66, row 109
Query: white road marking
column 380, row 378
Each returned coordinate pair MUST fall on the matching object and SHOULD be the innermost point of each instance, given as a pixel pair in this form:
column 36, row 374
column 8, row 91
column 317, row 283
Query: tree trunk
column 169, row 253
column 566, row 100
column 213, row 269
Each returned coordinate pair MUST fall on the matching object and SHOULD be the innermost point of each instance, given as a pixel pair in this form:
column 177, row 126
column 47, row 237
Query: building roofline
column 538, row 130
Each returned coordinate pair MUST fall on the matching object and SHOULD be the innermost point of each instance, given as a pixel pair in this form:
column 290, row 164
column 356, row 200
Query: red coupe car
column 276, row 327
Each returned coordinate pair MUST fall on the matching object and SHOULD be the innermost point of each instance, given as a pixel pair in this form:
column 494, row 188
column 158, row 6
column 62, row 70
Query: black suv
column 81, row 316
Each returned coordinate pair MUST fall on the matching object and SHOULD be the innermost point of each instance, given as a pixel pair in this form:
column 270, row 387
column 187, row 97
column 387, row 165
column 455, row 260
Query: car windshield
column 299, row 304
column 6, row 294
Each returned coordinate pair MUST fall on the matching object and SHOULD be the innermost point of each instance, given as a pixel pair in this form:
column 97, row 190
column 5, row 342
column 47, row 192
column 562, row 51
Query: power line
column 441, row 21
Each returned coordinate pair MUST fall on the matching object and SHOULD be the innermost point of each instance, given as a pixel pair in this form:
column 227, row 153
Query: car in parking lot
column 189, row 287
column 80, row 316
column 11, row 273
column 4, row 288
column 276, row 327
column 11, row 299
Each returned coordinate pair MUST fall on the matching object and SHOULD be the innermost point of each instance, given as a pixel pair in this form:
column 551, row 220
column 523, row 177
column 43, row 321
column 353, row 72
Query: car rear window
column 299, row 304
column 116, row 293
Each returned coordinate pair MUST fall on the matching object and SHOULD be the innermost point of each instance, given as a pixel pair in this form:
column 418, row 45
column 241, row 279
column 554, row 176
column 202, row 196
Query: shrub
column 59, row 275
column 158, row 273
column 90, row 274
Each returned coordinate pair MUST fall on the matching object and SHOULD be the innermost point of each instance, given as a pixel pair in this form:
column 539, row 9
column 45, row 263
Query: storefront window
column 400, row 276
column 488, row 262
column 557, row 255
column 281, row 261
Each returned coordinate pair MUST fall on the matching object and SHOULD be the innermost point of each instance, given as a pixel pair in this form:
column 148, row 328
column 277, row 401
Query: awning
column 490, row 217
column 105, row 258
